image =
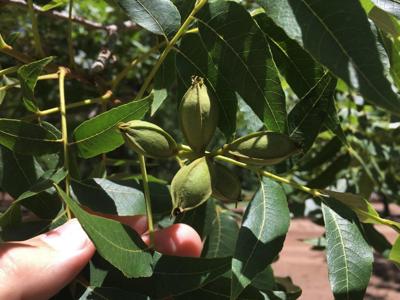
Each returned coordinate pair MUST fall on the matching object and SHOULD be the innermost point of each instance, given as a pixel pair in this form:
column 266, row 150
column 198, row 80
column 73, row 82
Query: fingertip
column 137, row 223
column 177, row 240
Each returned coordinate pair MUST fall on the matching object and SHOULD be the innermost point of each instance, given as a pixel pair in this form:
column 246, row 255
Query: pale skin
column 40, row 267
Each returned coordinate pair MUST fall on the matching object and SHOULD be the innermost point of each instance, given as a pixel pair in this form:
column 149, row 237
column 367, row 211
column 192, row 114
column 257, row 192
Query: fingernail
column 68, row 237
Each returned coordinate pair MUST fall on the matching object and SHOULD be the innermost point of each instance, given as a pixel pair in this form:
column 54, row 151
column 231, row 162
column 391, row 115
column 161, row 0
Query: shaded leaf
column 157, row 16
column 27, row 138
column 328, row 175
column 337, row 34
column 292, row 291
column 377, row 240
column 324, row 155
column 109, row 197
column 192, row 59
column 163, row 81
column 265, row 280
column 28, row 75
column 109, row 293
column 177, row 275
column 261, row 237
column 220, row 289
column 221, row 239
column 349, row 256
column 307, row 117
column 200, row 218
column 19, row 173
column 122, row 198
column 118, row 244
column 332, row 123
column 238, row 47
column 300, row 70
column 100, row 135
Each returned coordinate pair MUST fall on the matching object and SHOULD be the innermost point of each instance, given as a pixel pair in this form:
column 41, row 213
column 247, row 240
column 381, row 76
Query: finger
column 38, row 268
column 138, row 222
column 177, row 240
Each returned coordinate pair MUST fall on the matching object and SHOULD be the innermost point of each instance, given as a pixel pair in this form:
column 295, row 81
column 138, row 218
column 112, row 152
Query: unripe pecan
column 262, row 148
column 148, row 139
column 192, row 185
column 198, row 115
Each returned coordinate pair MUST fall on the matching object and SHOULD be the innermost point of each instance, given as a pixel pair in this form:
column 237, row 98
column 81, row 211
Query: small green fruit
column 198, row 116
column 226, row 184
column 262, row 148
column 192, row 185
column 148, row 139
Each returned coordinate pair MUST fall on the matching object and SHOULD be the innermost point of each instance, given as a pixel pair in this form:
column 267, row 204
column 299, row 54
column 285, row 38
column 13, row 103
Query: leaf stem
column 169, row 46
column 98, row 100
column 71, row 53
column 9, row 70
column 43, row 77
column 146, row 190
column 313, row 192
column 64, row 131
column 35, row 30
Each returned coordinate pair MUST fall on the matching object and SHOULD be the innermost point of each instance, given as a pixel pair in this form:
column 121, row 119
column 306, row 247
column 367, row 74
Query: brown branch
column 128, row 25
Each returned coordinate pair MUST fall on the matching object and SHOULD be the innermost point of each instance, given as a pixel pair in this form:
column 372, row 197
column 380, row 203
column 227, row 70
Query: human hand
column 39, row 267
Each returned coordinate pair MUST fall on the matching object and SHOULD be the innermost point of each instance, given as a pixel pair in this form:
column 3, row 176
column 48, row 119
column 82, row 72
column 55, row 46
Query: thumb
column 38, row 268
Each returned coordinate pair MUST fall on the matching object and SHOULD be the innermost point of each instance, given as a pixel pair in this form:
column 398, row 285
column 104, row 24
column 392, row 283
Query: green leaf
column 325, row 154
column 365, row 212
column 377, row 240
column 118, row 244
column 391, row 6
column 109, row 197
column 349, row 256
column 395, row 252
column 292, row 291
column 328, row 175
column 332, row 123
column 336, row 33
column 18, row 173
column 200, row 218
column 300, row 70
column 220, row 289
column 261, row 237
column 27, row 138
column 177, row 275
column 192, row 59
column 28, row 75
column 163, row 82
column 100, row 135
column 53, row 4
column 157, row 16
column 307, row 117
column 238, row 47
column 221, row 239
column 109, row 293
column 45, row 182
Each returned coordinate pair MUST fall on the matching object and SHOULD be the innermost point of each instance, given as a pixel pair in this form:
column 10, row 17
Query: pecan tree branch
column 76, row 19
